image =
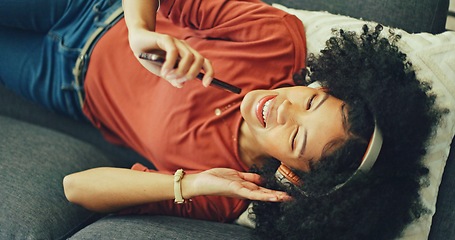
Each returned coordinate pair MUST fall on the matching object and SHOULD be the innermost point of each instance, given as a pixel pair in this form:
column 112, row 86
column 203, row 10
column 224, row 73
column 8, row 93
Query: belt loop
column 77, row 70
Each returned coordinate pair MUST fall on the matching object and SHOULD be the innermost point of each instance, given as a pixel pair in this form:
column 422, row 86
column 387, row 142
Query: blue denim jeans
column 40, row 41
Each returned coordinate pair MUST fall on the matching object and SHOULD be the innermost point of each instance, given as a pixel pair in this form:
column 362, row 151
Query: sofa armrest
column 443, row 226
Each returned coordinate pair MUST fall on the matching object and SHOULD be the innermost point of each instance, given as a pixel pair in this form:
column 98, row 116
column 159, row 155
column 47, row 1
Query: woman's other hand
column 188, row 62
column 231, row 183
column 140, row 18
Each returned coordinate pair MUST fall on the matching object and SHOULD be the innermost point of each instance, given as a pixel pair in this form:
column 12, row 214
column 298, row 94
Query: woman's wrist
column 140, row 14
column 188, row 188
column 139, row 27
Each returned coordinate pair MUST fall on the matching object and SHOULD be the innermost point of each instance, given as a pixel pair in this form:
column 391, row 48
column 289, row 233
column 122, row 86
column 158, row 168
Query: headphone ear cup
column 286, row 176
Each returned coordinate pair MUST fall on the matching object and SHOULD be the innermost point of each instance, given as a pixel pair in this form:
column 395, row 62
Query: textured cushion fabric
column 160, row 227
column 17, row 107
column 33, row 162
column 433, row 58
column 443, row 225
column 412, row 16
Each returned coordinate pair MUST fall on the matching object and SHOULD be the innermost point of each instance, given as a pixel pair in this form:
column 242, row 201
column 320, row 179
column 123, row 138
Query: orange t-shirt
column 250, row 44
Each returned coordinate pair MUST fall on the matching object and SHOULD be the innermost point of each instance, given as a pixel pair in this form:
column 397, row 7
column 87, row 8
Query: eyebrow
column 305, row 134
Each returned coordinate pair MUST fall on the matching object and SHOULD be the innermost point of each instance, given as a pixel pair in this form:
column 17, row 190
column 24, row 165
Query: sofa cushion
column 18, row 107
column 33, row 162
column 160, row 227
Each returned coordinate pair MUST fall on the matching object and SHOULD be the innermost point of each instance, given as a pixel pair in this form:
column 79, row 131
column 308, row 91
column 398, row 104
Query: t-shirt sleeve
column 203, row 14
column 231, row 20
column 213, row 208
column 259, row 36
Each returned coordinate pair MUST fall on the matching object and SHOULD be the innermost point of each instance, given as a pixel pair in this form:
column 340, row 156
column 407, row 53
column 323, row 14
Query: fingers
column 251, row 177
column 252, row 191
column 231, row 183
column 190, row 63
column 264, row 194
column 167, row 44
column 208, row 77
column 183, row 63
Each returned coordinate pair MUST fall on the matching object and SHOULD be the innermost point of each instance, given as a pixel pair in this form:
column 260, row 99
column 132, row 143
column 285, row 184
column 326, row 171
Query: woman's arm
column 140, row 19
column 140, row 13
column 112, row 189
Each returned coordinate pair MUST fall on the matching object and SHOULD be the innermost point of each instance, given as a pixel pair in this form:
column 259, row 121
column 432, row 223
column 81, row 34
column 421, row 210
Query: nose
column 288, row 112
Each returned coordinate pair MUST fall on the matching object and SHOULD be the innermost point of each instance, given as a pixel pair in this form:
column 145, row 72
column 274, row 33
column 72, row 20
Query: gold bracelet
column 178, row 176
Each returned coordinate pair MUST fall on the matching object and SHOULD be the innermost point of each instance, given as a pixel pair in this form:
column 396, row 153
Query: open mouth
column 263, row 109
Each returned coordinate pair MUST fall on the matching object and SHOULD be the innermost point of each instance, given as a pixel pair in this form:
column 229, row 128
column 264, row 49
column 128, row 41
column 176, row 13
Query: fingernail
column 207, row 83
column 171, row 77
column 288, row 198
column 181, row 80
column 164, row 72
column 170, row 74
column 176, row 84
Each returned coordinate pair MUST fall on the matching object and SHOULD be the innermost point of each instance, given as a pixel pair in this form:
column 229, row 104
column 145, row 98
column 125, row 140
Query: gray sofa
column 38, row 148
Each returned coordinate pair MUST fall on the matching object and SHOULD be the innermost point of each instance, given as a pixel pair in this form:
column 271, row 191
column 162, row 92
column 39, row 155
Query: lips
column 263, row 109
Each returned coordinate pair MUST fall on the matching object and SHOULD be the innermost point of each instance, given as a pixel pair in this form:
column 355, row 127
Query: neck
column 248, row 150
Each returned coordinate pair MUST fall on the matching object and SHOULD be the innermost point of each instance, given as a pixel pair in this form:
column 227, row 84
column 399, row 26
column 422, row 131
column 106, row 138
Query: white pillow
column 433, row 58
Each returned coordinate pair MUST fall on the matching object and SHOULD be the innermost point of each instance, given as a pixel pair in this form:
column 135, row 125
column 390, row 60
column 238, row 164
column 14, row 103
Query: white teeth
column 265, row 109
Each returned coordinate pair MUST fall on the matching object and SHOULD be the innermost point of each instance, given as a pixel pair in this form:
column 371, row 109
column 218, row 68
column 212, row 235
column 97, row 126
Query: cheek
column 274, row 144
column 327, row 133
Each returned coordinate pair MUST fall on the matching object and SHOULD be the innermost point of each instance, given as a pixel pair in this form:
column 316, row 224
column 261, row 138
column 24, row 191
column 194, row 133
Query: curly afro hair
column 378, row 84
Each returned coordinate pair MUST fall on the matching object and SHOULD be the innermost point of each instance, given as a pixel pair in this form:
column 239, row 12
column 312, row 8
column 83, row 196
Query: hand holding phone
column 159, row 59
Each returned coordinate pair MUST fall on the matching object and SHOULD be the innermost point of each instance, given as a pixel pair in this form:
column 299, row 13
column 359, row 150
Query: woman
column 322, row 134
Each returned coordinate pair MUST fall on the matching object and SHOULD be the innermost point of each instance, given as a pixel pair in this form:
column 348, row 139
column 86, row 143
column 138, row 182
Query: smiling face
column 295, row 124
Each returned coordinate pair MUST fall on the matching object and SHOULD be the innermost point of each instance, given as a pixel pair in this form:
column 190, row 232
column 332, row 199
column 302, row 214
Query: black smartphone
column 158, row 58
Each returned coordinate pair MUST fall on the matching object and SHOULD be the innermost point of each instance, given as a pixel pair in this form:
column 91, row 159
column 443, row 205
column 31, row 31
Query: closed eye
column 310, row 102
column 294, row 139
